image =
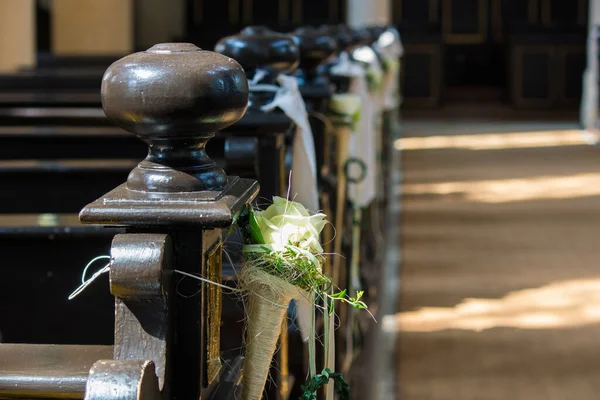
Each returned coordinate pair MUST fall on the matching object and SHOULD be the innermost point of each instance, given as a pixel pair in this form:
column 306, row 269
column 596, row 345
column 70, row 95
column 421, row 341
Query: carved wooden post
column 174, row 204
column 316, row 49
column 259, row 49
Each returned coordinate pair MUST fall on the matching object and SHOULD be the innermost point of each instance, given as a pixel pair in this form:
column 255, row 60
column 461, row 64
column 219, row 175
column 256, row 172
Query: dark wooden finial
column 343, row 37
column 316, row 48
column 174, row 96
column 347, row 38
column 257, row 47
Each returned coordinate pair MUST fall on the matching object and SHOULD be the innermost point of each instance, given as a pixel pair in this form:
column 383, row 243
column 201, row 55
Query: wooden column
column 92, row 27
column 374, row 12
column 17, row 34
column 589, row 101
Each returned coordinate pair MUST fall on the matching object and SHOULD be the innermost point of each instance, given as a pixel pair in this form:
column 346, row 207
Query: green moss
column 292, row 264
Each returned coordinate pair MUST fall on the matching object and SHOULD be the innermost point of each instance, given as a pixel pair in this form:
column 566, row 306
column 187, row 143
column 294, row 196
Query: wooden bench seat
column 60, row 186
column 35, row 98
column 63, row 371
column 63, row 246
column 78, row 97
column 49, row 60
column 49, row 224
column 47, row 371
column 80, row 116
column 64, row 142
column 250, row 123
column 55, row 78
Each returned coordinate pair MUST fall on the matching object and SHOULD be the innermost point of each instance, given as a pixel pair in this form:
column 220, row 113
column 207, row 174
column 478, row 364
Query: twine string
column 87, row 282
column 269, row 298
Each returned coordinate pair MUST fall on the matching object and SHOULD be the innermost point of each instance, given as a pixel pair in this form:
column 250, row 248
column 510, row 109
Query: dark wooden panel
column 561, row 13
column 343, row 10
column 520, row 11
column 476, row 64
column 43, row 23
column 417, row 70
column 463, row 16
column 316, row 12
column 209, row 12
column 272, row 13
column 208, row 20
column 572, row 59
column 465, row 21
column 47, row 143
column 416, row 14
column 531, row 73
column 421, row 75
column 536, row 76
column 62, row 186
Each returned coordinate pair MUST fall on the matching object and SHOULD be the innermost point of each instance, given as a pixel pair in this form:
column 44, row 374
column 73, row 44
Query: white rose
column 288, row 222
column 345, row 103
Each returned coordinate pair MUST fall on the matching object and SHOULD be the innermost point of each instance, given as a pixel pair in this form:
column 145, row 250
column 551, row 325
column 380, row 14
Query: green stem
column 355, row 263
column 326, row 316
column 312, row 359
column 354, row 283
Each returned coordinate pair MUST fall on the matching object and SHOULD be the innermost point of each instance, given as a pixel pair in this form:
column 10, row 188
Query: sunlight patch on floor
column 557, row 305
column 509, row 190
column 493, row 141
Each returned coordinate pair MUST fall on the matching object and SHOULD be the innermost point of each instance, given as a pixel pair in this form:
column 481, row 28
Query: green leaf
column 255, row 229
column 339, row 295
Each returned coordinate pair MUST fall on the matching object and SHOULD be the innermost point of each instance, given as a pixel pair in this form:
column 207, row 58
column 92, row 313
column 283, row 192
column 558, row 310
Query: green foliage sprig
column 355, row 302
column 298, row 259
column 309, row 391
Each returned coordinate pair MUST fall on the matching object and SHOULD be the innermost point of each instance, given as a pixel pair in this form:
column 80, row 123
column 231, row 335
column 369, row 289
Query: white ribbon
column 363, row 143
column 304, row 160
column 346, row 67
column 363, row 147
column 392, row 54
column 304, row 187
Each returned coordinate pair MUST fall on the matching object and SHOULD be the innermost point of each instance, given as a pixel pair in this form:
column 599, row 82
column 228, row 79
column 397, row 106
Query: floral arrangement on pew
column 282, row 261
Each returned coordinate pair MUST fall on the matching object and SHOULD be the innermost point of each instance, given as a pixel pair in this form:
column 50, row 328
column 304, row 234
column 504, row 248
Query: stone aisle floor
column 501, row 269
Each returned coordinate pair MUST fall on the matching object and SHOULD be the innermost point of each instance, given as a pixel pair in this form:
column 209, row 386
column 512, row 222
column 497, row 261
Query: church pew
column 67, row 163
column 68, row 142
column 46, row 98
column 33, row 369
column 175, row 360
column 70, row 79
column 61, row 116
column 33, row 186
column 257, row 127
column 52, row 116
column 48, row 60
